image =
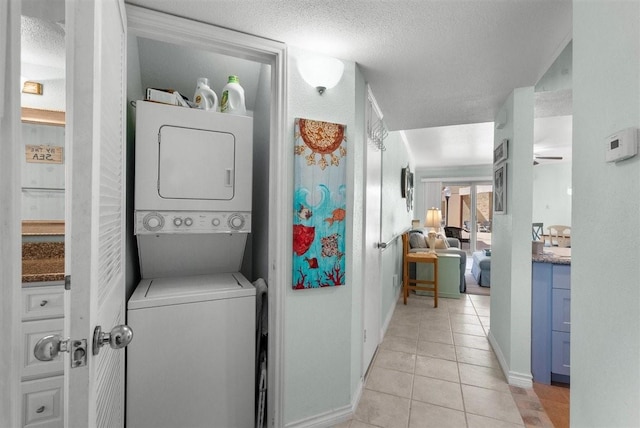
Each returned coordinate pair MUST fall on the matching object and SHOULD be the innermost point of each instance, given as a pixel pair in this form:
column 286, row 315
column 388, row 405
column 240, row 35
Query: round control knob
column 177, row 221
column 236, row 221
column 188, row 221
column 153, row 222
column 215, row 222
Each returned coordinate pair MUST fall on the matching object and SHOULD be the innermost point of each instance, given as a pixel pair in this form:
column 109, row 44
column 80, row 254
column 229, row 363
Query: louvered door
column 96, row 40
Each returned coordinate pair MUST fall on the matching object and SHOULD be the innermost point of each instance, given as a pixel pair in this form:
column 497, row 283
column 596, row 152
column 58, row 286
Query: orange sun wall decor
column 319, row 204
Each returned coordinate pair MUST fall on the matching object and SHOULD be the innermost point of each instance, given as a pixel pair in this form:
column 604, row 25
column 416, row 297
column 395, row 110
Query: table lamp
column 433, row 221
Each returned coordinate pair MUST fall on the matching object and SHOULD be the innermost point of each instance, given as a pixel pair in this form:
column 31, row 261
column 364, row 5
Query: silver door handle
column 49, row 347
column 119, row 337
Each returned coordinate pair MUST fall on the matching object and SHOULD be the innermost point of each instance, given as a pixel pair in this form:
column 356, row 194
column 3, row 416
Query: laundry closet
column 197, row 240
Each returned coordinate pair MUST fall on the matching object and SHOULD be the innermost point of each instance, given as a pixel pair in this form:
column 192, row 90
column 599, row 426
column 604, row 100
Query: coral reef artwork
column 319, row 204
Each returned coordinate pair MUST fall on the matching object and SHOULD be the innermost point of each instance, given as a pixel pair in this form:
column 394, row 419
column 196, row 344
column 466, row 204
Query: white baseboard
column 523, row 380
column 324, row 420
column 332, row 417
column 387, row 320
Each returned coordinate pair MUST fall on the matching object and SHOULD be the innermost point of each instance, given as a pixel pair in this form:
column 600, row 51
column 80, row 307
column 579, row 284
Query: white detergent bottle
column 204, row 96
column 233, row 98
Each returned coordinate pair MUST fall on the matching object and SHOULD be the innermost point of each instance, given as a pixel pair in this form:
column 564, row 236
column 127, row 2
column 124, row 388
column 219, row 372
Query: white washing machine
column 192, row 361
column 193, row 313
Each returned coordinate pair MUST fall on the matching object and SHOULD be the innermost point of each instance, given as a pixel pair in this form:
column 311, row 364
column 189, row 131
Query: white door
column 372, row 256
column 95, row 240
column 10, row 214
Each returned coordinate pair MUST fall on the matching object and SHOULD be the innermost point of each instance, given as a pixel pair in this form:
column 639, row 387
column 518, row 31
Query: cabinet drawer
column 42, row 302
column 561, row 276
column 560, row 355
column 32, row 331
column 42, row 403
column 561, row 309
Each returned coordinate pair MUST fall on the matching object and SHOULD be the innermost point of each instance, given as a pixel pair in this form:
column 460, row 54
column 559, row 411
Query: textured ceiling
column 429, row 63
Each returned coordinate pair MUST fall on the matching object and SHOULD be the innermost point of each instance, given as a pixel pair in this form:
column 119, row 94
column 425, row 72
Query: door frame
column 10, row 214
column 172, row 29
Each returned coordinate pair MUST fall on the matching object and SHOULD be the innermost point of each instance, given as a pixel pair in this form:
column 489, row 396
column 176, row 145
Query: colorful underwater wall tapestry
column 319, row 204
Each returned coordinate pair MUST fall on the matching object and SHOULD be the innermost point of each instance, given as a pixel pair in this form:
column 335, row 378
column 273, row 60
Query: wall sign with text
column 43, row 153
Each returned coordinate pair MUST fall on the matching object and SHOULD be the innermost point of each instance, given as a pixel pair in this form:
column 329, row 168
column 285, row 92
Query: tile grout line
column 455, row 349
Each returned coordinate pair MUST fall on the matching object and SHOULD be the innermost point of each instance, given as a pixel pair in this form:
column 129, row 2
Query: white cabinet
column 42, row 381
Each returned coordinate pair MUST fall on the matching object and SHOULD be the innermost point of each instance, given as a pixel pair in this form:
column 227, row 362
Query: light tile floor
column 435, row 368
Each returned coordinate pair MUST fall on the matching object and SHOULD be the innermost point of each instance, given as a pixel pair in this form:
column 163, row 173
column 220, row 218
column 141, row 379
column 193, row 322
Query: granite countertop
column 42, row 261
column 556, row 255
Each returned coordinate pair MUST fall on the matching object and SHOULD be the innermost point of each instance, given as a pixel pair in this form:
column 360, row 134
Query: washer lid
column 188, row 289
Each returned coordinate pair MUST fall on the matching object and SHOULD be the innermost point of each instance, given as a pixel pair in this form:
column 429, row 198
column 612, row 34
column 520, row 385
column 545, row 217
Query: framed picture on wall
column 501, row 153
column 500, row 189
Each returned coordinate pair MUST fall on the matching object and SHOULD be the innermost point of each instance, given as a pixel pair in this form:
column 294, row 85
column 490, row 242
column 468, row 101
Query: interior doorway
column 469, row 207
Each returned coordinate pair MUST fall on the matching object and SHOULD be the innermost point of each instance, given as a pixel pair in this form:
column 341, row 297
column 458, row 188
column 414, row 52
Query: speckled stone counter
column 42, row 261
column 555, row 255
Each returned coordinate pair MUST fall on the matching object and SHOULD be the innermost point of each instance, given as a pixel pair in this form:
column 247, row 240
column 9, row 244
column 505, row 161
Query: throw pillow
column 441, row 244
column 417, row 240
column 441, row 241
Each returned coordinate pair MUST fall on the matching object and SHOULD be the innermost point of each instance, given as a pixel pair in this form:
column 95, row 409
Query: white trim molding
column 523, row 380
column 172, row 29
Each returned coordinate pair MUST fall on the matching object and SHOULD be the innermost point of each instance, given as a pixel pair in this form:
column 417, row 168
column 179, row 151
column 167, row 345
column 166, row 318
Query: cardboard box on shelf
column 166, row 96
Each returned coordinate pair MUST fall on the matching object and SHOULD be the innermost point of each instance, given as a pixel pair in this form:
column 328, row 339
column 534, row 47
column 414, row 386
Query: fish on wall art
column 319, row 204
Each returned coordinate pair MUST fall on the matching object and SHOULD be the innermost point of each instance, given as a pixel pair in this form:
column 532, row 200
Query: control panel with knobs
column 168, row 222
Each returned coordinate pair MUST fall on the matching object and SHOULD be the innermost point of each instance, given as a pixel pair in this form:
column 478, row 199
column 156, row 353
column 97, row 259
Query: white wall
column 551, row 203
column 318, row 322
column 355, row 229
column 605, row 296
column 510, row 331
column 258, row 249
column 44, row 197
column 394, row 219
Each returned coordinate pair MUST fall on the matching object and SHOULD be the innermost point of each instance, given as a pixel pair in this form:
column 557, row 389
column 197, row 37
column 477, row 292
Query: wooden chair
column 416, row 284
column 561, row 234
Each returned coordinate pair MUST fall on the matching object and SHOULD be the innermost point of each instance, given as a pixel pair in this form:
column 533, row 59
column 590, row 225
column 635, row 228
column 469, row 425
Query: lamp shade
column 321, row 72
column 433, row 218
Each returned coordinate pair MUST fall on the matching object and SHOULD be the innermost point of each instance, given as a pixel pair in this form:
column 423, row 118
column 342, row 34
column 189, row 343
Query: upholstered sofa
column 481, row 268
column 419, row 243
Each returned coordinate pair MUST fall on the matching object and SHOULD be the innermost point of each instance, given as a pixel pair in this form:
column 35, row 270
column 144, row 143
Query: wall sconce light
column 433, row 220
column 31, row 87
column 321, row 72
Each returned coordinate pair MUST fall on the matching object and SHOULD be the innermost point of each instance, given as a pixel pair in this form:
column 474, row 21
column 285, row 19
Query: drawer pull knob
column 40, row 409
column 43, row 303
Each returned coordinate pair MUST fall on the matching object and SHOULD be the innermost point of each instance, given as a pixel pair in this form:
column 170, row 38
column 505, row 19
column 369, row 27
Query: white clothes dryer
column 192, row 363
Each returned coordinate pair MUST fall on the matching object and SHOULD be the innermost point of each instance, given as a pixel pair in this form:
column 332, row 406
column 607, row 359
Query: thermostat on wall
column 622, row 145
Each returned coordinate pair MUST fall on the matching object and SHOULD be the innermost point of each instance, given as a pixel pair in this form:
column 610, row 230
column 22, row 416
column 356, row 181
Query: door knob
column 119, row 337
column 49, row 347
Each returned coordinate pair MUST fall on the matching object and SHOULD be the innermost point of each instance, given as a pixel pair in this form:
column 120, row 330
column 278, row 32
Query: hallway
column 435, row 368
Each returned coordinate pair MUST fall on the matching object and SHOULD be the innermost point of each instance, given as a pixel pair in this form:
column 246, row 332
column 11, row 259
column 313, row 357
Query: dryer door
column 196, row 164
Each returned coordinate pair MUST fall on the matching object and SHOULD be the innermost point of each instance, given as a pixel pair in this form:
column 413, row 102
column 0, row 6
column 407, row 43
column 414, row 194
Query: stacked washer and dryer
column 192, row 363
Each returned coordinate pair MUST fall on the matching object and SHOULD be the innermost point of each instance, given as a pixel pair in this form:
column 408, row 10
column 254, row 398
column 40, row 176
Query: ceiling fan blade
column 549, row 157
